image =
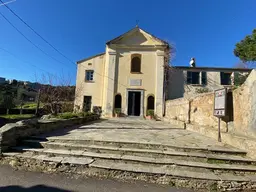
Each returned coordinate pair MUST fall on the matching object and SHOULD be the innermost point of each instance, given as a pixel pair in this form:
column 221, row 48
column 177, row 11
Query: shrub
column 240, row 79
column 85, row 114
column 150, row 112
column 117, row 110
column 70, row 115
column 67, row 115
column 202, row 90
column 97, row 110
column 67, row 107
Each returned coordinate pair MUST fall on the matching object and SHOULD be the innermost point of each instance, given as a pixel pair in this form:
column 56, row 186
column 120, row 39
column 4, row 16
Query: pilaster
column 159, row 100
column 109, row 84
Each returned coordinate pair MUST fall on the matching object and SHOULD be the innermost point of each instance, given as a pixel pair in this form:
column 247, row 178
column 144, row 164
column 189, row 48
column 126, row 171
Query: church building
column 128, row 77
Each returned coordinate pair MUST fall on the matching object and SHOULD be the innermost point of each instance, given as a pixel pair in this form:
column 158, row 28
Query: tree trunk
column 7, row 111
column 53, row 109
column 38, row 102
column 21, row 111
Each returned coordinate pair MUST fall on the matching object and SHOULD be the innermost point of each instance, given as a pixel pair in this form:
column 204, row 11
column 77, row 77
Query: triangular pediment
column 137, row 36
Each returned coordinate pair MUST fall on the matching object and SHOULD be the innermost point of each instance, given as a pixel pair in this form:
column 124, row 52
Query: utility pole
column 38, row 102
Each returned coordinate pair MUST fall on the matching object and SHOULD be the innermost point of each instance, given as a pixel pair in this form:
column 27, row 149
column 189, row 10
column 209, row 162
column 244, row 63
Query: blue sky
column 205, row 29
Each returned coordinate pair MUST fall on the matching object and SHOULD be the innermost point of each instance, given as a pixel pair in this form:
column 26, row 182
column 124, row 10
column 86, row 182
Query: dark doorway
column 118, row 101
column 134, row 103
column 151, row 103
column 87, row 103
column 230, row 109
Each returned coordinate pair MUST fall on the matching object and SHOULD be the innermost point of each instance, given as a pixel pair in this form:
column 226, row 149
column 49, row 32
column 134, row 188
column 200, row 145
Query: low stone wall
column 201, row 111
column 197, row 110
column 177, row 109
column 11, row 133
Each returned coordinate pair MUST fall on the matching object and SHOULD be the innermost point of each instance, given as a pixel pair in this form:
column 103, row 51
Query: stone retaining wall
column 11, row 133
column 199, row 109
column 244, row 99
column 243, row 142
column 177, row 109
column 196, row 114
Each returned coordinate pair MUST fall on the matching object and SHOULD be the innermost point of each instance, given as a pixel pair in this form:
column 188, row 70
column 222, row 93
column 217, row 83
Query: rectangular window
column 225, row 78
column 193, row 77
column 89, row 75
column 204, row 78
column 189, row 77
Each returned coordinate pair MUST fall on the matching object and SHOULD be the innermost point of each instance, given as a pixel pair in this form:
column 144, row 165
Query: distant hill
column 24, row 92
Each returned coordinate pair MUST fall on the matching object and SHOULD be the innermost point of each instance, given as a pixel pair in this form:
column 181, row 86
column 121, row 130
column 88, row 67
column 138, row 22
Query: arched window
column 136, row 63
column 151, row 103
column 118, row 101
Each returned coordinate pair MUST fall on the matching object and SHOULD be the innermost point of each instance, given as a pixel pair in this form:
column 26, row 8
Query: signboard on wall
column 135, row 82
column 220, row 97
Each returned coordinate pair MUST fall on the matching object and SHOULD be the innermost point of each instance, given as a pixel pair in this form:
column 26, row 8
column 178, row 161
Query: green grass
column 215, row 161
column 30, row 106
column 22, row 116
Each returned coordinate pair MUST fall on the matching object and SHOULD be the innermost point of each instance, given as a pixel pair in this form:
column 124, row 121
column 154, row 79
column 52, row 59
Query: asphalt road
column 22, row 181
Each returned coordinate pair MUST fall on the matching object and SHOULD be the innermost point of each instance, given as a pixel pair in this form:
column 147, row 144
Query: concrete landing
column 139, row 131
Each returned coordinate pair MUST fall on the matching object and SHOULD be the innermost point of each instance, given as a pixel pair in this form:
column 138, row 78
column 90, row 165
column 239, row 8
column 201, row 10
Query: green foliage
column 67, row 115
column 117, row 110
column 246, row 49
column 85, row 114
column 7, row 102
column 202, row 90
column 240, row 78
column 1, row 99
column 70, row 115
column 7, row 94
column 31, row 105
column 150, row 112
column 22, row 116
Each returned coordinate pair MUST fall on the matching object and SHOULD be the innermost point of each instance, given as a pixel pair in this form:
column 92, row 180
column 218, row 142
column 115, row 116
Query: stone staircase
column 195, row 167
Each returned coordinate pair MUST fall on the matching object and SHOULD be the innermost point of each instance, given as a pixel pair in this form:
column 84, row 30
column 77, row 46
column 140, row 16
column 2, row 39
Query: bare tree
column 170, row 53
column 78, row 100
column 56, row 92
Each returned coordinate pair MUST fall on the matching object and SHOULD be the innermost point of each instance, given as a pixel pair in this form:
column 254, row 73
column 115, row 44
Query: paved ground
column 21, row 181
column 139, row 131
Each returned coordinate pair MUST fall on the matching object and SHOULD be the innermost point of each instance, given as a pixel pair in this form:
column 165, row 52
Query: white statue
column 192, row 62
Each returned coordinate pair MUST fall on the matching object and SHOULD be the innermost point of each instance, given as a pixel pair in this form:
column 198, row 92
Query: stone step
column 105, row 168
column 170, row 170
column 169, row 153
column 197, row 166
column 142, row 145
column 49, row 158
column 158, row 170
